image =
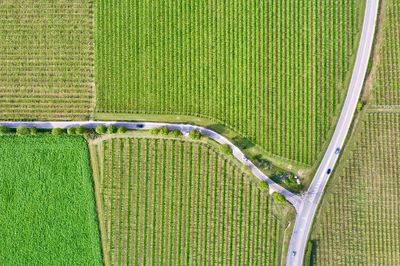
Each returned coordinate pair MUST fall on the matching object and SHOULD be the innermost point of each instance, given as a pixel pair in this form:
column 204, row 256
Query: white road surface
column 295, row 200
column 306, row 212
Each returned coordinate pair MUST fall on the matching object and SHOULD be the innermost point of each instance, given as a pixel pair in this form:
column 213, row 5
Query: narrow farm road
column 308, row 207
column 295, row 200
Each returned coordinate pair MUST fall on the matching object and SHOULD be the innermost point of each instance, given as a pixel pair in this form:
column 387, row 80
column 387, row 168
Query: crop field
column 47, row 210
column 387, row 84
column 273, row 71
column 46, row 59
column 175, row 202
column 359, row 223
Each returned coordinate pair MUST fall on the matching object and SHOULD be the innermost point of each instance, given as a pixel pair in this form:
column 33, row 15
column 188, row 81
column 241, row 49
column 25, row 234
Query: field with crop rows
column 47, row 210
column 174, row 202
column 46, row 59
column 359, row 223
column 387, row 84
column 273, row 71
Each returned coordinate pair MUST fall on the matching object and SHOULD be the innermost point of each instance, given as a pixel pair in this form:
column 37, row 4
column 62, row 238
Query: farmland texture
column 174, row 202
column 47, row 210
column 273, row 71
column 359, row 223
column 46, row 59
column 386, row 89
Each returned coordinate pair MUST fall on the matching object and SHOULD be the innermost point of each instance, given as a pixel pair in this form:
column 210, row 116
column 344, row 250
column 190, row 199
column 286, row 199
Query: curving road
column 311, row 199
column 295, row 200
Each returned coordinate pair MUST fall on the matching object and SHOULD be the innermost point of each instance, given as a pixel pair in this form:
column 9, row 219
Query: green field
column 175, row 202
column 273, row 71
column 47, row 210
column 359, row 222
column 386, row 88
column 46, row 59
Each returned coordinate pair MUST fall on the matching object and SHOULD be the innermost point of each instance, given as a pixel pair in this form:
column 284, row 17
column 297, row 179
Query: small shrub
column 4, row 130
column 176, row 133
column 111, row 129
column 122, row 130
column 360, row 106
column 262, row 185
column 225, row 149
column 101, row 129
column 154, row 131
column 33, row 131
column 71, row 131
column 164, row 131
column 57, row 131
column 195, row 135
column 80, row 130
column 278, row 198
column 21, row 130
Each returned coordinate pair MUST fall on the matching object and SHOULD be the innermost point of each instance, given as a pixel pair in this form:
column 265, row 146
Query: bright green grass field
column 47, row 210
column 273, row 71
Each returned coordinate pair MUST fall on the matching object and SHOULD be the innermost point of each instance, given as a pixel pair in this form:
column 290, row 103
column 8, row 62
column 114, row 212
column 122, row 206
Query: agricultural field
column 47, row 209
column 176, row 202
column 386, row 89
column 46, row 59
column 273, row 71
column 359, row 221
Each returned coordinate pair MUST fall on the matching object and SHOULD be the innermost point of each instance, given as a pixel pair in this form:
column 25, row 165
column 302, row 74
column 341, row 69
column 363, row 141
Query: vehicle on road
column 293, row 253
column 329, row 171
column 337, row 150
column 140, row 126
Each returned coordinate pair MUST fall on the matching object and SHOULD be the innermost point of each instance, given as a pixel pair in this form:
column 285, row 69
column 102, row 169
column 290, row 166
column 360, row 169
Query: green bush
column 111, row 129
column 57, row 131
column 4, row 130
column 101, row 129
column 21, row 130
column 33, row 131
column 80, row 130
column 195, row 135
column 122, row 130
column 262, row 185
column 71, row 131
column 278, row 198
column 164, row 131
column 225, row 149
column 176, row 133
column 154, row 131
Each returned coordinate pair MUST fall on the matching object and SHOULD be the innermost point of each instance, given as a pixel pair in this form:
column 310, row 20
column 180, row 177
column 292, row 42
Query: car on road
column 140, row 126
column 337, row 151
column 329, row 171
column 293, row 253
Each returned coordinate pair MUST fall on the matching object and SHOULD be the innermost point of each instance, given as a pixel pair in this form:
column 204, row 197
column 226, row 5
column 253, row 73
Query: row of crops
column 273, row 71
column 359, row 222
column 387, row 83
column 46, row 59
column 173, row 202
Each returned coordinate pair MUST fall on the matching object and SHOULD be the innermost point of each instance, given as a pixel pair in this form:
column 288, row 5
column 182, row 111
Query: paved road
column 313, row 196
column 295, row 200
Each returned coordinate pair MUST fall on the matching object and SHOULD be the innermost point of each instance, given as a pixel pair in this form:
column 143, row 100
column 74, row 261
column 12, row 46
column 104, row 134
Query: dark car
column 140, row 126
column 329, row 171
column 337, row 151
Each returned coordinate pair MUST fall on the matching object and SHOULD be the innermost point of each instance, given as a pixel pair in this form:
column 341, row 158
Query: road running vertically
column 312, row 197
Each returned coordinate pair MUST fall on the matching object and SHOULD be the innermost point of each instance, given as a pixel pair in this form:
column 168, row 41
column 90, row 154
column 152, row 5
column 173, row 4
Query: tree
column 21, row 130
column 111, row 129
column 80, row 130
column 122, row 130
column 33, row 131
column 225, row 149
column 176, row 133
column 164, row 131
column 71, row 131
column 101, row 129
column 262, row 185
column 154, row 131
column 4, row 130
column 195, row 135
column 278, row 198
column 57, row 131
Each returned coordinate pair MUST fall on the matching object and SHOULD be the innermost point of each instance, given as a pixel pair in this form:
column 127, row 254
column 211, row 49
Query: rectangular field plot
column 273, row 71
column 47, row 209
column 46, row 59
column 359, row 223
column 173, row 202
